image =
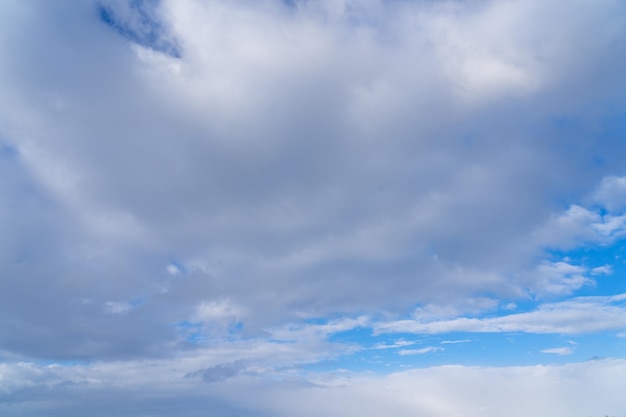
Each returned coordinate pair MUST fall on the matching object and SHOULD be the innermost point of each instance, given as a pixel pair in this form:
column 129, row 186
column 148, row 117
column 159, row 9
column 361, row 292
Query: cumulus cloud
column 599, row 224
column 559, row 278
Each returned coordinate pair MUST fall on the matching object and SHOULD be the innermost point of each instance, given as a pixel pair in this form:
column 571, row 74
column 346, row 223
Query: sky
column 342, row 208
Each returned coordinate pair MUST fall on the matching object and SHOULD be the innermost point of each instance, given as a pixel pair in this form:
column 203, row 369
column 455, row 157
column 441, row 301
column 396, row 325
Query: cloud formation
column 574, row 316
column 392, row 152
column 240, row 191
column 447, row 390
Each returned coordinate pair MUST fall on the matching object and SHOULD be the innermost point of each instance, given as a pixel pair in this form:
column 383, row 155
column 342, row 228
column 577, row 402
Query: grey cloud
column 296, row 161
column 219, row 372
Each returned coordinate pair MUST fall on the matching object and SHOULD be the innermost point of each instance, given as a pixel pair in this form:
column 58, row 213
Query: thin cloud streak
column 576, row 316
column 561, row 351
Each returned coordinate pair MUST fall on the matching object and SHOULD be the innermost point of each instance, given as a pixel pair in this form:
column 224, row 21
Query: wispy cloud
column 452, row 342
column 395, row 345
column 561, row 351
column 421, row 351
column 575, row 316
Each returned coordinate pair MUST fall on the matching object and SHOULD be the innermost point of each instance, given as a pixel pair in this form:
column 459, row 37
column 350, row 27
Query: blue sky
column 314, row 207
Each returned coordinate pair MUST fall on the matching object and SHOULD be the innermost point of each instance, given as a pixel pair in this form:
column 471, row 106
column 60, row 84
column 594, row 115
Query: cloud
column 603, row 224
column 218, row 373
column 471, row 391
column 575, row 316
column 561, row 351
column 398, row 344
column 319, row 159
column 602, row 270
column 447, row 342
column 569, row 228
column 611, row 193
column 210, row 206
column 559, row 278
column 222, row 312
column 421, row 351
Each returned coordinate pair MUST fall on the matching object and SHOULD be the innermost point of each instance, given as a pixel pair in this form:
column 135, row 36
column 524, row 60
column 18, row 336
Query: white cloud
column 612, row 227
column 575, row 316
column 567, row 229
column 447, row 342
column 561, row 351
column 509, row 306
column 579, row 225
column 612, row 193
column 559, row 278
column 420, row 351
column 476, row 62
column 395, row 345
column 315, row 332
column 602, row 270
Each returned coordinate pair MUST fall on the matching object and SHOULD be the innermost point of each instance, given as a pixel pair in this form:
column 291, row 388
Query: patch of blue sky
column 392, row 353
column 196, row 334
column 191, row 332
column 608, row 149
column 359, row 336
column 521, row 349
column 291, row 3
column 317, row 320
column 235, row 328
column 142, row 27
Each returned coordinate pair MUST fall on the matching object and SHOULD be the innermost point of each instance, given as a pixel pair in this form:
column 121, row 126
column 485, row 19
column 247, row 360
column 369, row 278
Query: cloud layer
column 297, row 160
column 159, row 390
column 219, row 189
